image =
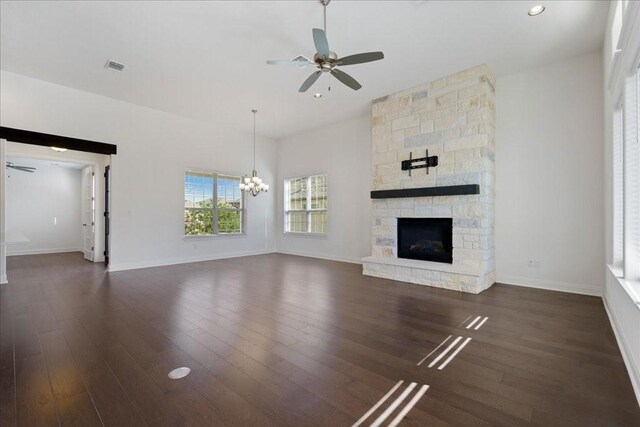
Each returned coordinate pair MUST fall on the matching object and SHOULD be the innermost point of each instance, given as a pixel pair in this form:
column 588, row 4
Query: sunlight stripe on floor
column 464, row 321
column 377, row 405
column 481, row 323
column 473, row 322
column 433, row 351
column 393, row 406
column 409, row 406
column 450, row 358
column 437, row 359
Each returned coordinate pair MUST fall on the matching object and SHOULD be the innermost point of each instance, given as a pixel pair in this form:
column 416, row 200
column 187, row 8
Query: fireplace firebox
column 426, row 239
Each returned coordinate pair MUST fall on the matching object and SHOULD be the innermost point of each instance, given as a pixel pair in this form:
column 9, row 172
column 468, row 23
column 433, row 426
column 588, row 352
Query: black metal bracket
column 424, row 162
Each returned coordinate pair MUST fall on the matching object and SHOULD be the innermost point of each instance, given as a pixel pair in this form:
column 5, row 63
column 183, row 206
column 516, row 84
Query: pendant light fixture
column 254, row 185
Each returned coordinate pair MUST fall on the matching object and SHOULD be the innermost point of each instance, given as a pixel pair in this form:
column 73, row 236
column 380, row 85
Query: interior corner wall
column 549, row 169
column 342, row 151
column 44, row 206
column 154, row 149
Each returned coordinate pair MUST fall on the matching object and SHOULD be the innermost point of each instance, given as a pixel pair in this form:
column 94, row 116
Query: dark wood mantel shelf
column 451, row 190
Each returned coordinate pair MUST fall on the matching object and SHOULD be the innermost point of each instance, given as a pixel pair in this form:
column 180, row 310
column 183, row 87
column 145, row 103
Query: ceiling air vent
column 114, row 65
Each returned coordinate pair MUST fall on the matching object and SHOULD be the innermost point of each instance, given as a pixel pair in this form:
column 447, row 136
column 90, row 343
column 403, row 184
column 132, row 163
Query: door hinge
column 93, row 223
column 93, row 174
column 92, row 248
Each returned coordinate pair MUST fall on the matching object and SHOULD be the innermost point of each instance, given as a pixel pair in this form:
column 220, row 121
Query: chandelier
column 254, row 185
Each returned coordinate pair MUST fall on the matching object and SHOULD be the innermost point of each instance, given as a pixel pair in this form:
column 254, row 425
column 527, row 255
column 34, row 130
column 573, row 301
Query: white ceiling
column 206, row 60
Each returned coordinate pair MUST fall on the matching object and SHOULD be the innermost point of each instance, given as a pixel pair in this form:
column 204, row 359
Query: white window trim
column 625, row 63
column 243, row 211
column 308, row 211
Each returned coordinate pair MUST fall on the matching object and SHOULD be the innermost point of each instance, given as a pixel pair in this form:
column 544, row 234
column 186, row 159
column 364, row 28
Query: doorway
column 53, row 202
column 39, row 145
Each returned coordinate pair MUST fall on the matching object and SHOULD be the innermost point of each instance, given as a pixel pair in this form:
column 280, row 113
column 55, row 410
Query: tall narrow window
column 618, row 190
column 631, row 180
column 306, row 205
column 213, row 204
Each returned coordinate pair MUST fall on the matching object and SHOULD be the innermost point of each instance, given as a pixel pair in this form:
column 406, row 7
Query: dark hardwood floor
column 284, row 340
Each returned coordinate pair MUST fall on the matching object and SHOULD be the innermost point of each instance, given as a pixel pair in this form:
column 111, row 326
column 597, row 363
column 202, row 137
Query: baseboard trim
column 351, row 260
column 43, row 251
column 551, row 285
column 113, row 267
column 634, row 375
column 3, row 279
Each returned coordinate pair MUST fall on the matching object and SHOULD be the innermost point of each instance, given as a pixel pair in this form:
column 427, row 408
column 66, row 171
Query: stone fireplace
column 435, row 228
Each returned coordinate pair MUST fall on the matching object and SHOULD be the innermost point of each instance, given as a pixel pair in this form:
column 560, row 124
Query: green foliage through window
column 201, row 216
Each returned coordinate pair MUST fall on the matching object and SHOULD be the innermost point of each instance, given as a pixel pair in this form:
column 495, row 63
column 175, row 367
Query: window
column 203, row 217
column 306, row 205
column 618, row 190
column 632, row 179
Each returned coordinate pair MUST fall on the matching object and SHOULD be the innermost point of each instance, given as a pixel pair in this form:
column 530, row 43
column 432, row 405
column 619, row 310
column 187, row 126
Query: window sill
column 311, row 235
column 214, row 236
column 631, row 288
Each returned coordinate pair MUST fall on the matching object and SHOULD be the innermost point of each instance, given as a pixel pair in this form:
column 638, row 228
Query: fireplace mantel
column 449, row 190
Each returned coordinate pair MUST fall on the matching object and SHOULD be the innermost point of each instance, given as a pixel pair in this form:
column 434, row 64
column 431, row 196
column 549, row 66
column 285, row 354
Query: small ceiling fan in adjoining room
column 326, row 60
column 29, row 169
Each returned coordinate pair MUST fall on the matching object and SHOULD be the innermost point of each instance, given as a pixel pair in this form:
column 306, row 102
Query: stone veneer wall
column 454, row 118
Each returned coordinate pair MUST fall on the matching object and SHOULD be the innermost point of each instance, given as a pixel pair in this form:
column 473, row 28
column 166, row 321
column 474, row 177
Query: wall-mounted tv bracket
column 423, row 162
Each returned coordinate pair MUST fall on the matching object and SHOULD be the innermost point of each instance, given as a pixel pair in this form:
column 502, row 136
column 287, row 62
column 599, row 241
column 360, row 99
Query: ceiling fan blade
column 310, row 81
column 346, row 79
column 23, row 168
column 320, row 40
column 360, row 58
column 280, row 62
column 298, row 61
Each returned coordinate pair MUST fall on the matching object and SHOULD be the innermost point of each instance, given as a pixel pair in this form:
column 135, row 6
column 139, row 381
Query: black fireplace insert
column 426, row 239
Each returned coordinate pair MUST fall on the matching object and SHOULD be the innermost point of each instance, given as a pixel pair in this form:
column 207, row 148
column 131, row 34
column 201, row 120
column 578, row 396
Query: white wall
column 34, row 200
column 154, row 149
column 549, row 189
column 343, row 152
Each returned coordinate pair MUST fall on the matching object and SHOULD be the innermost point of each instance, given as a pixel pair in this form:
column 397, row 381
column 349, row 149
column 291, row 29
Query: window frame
column 308, row 210
column 214, row 206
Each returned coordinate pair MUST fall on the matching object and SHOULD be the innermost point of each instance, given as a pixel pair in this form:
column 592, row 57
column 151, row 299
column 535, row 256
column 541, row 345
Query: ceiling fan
column 21, row 168
column 327, row 61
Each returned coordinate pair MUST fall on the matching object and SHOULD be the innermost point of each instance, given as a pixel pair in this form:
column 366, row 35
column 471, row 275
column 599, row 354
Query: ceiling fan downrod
column 325, row 3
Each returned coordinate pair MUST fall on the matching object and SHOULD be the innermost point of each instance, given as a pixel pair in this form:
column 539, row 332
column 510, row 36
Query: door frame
column 86, row 170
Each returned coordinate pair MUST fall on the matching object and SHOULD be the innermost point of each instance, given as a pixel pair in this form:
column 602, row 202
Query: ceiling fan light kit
column 254, row 185
column 327, row 61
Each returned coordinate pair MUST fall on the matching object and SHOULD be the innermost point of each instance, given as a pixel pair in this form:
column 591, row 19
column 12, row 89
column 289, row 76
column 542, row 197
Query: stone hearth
column 454, row 118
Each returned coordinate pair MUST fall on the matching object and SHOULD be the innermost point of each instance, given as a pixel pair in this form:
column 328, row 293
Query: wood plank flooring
column 278, row 340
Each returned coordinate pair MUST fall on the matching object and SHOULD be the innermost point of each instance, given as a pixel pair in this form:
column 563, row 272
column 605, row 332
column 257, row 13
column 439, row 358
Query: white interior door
column 88, row 212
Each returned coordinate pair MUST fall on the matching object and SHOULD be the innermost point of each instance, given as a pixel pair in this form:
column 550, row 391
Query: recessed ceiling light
column 317, row 95
column 59, row 149
column 536, row 10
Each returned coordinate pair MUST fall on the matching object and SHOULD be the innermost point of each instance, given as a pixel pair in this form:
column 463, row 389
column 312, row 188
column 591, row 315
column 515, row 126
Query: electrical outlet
column 534, row 263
